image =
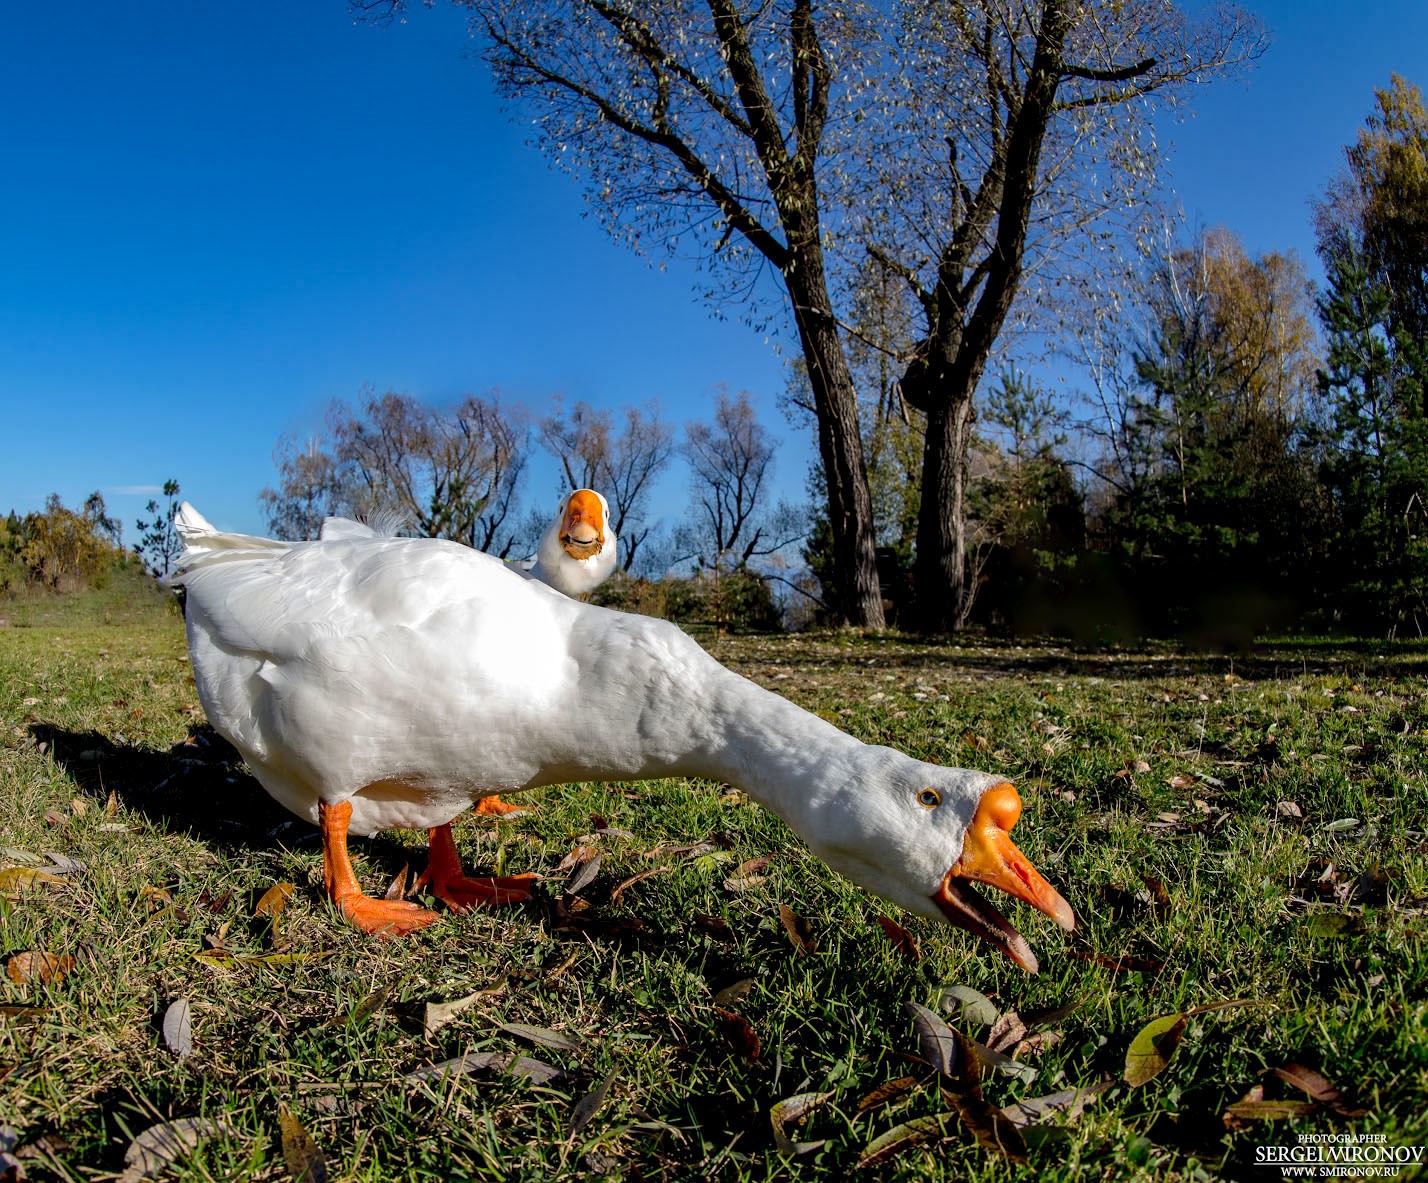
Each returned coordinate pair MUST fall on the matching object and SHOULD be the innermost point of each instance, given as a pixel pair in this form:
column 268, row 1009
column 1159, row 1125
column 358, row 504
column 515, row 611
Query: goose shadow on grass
column 199, row 787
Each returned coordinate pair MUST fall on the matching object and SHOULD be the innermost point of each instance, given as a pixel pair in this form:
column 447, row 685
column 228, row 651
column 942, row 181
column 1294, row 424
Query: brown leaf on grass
column 1070, row 1103
column 1306, row 1080
column 398, row 888
column 55, row 818
column 111, row 805
column 790, row 1111
column 536, row 1071
column 437, row 1014
column 1181, row 781
column 305, row 1161
column 714, row 926
column 178, row 1029
column 1159, row 894
column 1253, row 1107
column 748, row 874
column 1006, row 1032
column 23, row 1014
column 165, row 1143
column 936, row 1039
column 581, row 854
column 274, row 900
column 1288, row 809
column 903, row 942
column 229, row 959
column 363, row 1010
column 740, row 1033
column 585, row 1108
column 917, row 1132
column 79, row 806
column 1123, row 964
column 49, row 968
column 799, row 930
column 890, row 1091
column 212, row 903
column 731, row 993
column 584, row 873
column 963, row 1091
column 1151, row 1050
column 18, row 881
column 633, row 879
column 558, row 1040
column 1033, row 1045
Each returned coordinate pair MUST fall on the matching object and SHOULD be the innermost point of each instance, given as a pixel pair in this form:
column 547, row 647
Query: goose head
column 582, row 524
column 921, row 835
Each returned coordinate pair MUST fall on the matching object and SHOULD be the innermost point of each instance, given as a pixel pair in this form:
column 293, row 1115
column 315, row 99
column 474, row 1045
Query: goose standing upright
column 579, row 550
column 372, row 682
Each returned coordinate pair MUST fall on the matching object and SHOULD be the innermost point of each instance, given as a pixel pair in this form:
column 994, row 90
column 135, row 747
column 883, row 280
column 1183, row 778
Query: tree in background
column 448, row 473
column 159, row 544
column 621, row 464
column 954, row 140
column 731, row 464
column 1211, row 485
column 1372, row 231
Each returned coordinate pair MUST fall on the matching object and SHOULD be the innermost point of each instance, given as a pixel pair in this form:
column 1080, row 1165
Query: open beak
column 582, row 530
column 989, row 856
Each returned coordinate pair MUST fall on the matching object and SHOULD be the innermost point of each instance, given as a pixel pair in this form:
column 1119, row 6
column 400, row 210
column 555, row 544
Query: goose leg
column 384, row 917
column 457, row 889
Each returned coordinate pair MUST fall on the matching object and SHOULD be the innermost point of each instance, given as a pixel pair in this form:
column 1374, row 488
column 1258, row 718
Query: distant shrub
column 58, row 550
column 737, row 601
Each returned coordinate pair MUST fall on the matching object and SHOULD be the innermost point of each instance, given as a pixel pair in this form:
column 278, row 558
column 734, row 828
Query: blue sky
column 216, row 219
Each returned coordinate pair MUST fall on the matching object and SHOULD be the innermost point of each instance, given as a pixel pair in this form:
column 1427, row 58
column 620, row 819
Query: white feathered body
column 412, row 677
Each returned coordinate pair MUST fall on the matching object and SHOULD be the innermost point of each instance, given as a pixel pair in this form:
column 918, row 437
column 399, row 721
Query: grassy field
column 1247, row 830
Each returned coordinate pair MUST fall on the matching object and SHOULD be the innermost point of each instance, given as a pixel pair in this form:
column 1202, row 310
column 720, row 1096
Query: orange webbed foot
column 462, row 891
column 385, row 918
column 493, row 806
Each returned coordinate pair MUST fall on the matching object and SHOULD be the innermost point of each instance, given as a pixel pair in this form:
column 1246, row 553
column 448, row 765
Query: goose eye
column 929, row 798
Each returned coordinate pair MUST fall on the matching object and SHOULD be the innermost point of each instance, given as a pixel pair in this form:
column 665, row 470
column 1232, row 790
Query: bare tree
column 621, row 464
column 731, row 464
column 448, row 473
column 961, row 141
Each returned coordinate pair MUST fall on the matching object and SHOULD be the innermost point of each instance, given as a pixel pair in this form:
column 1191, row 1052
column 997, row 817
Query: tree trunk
column 940, row 569
column 857, row 597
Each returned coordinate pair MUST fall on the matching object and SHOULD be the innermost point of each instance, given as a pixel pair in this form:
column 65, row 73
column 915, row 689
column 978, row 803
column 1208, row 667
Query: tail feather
column 205, row 544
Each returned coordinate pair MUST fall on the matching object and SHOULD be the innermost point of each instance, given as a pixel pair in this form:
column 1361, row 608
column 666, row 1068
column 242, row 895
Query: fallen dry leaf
column 714, row 926
column 17, row 881
column 740, row 1033
column 800, row 931
column 274, row 900
column 304, row 1159
column 545, row 1037
column 438, row 1014
column 585, row 1108
column 584, row 874
column 1006, row 1032
column 536, row 1071
column 1306, row 1080
column 49, row 968
column 790, row 1111
column 1070, row 1103
column 963, row 1091
column 890, row 1091
column 748, row 874
column 974, row 1007
column 1033, row 1045
column 165, row 1143
column 633, row 879
column 902, row 941
column 935, row 1038
column 178, row 1029
column 398, row 888
column 917, row 1132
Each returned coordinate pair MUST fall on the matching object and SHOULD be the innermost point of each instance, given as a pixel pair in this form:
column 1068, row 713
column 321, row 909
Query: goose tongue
column 989, row 856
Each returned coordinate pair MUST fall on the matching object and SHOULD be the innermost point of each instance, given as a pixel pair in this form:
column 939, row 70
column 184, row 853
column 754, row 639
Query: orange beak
column 989, row 856
column 582, row 531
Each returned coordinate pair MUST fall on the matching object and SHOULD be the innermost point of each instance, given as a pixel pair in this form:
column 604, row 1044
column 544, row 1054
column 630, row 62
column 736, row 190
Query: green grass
column 93, row 700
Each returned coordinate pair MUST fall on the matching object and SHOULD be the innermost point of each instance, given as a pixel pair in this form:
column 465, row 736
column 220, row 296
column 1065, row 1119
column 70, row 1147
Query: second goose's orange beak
column 582, row 532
